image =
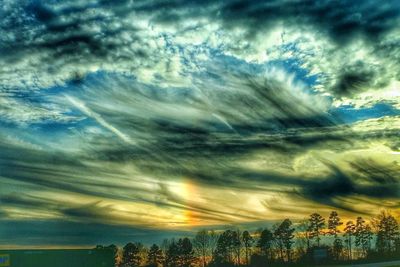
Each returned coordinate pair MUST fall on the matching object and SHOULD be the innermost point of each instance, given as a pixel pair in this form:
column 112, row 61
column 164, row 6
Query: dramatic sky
column 135, row 120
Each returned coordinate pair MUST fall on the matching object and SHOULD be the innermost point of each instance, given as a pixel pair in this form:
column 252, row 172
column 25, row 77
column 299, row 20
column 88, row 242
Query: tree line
column 312, row 240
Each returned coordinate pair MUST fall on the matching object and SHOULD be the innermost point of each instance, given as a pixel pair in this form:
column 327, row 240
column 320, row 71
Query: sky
column 140, row 120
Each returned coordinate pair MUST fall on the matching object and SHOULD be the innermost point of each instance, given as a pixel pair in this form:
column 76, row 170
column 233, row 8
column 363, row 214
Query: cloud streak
column 81, row 106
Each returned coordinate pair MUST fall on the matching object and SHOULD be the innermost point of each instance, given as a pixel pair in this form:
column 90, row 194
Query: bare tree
column 237, row 244
column 202, row 243
column 247, row 242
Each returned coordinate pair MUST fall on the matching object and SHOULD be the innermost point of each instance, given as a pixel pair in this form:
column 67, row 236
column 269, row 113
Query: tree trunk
column 350, row 254
column 204, row 257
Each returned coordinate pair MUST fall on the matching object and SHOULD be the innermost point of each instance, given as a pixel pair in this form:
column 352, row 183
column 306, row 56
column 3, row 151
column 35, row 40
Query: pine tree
column 363, row 236
column 265, row 243
column 185, row 252
column 349, row 233
column 131, row 255
column 387, row 232
column 155, row 256
column 333, row 223
column 172, row 255
column 317, row 224
column 284, row 237
column 368, row 236
column 222, row 252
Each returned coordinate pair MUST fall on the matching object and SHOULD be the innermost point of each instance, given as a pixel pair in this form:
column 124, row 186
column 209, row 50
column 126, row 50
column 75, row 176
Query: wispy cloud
column 81, row 106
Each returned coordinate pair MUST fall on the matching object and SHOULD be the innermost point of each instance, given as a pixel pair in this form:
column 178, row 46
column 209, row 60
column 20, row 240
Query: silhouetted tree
column 303, row 237
column 349, row 231
column 180, row 254
column 236, row 244
column 265, row 243
column 247, row 242
column 221, row 253
column 212, row 243
column 131, row 255
column 232, row 247
column 333, row 224
column 284, row 238
column 185, row 252
column 225, row 249
column 366, row 240
column 337, row 248
column 202, row 244
column 387, row 230
column 316, row 225
column 155, row 256
column 363, row 236
column 172, row 254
